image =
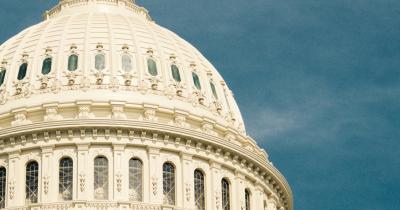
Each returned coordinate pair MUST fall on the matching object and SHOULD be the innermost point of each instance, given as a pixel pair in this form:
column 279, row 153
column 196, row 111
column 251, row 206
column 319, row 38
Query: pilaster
column 155, row 179
column 239, row 191
column 215, row 186
column 118, row 174
column 188, row 185
column 48, row 192
column 15, row 194
column 83, row 172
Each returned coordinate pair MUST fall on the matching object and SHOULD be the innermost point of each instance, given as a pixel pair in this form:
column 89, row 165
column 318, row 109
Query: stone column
column 215, row 188
column 155, row 178
column 82, row 172
column 238, row 189
column 271, row 205
column 15, row 190
column 121, row 183
column 49, row 189
column 258, row 198
column 188, row 183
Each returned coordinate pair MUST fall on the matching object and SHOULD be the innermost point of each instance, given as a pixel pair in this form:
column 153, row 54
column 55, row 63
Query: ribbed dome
column 120, row 55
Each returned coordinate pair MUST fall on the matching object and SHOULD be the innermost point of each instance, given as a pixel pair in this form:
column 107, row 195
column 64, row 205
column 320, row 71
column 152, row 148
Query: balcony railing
column 90, row 206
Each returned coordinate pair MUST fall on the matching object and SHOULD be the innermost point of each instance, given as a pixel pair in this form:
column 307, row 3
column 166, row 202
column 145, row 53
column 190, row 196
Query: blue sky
column 318, row 83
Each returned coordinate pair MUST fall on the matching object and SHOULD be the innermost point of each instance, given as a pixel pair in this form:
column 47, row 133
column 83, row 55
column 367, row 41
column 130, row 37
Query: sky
column 317, row 81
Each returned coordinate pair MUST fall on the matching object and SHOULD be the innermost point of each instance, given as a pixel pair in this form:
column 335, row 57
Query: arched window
column 126, row 63
column 3, row 181
column 196, row 81
column 2, row 75
column 72, row 62
column 22, row 71
column 100, row 178
column 175, row 73
column 65, row 179
column 225, row 195
column 152, row 67
column 169, row 184
column 46, row 66
column 100, row 62
column 135, row 179
column 247, row 199
column 199, row 190
column 214, row 90
column 32, row 182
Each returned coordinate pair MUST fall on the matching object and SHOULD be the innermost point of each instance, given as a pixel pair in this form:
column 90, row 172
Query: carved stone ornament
column 188, row 190
column 20, row 119
column 217, row 200
column 118, row 112
column 150, row 115
column 119, row 182
column 52, row 114
column 84, row 112
column 154, row 183
column 82, row 182
column 46, row 181
column 11, row 187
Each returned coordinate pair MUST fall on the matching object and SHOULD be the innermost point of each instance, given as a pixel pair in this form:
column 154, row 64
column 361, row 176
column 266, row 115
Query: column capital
column 153, row 150
column 47, row 149
column 14, row 154
column 119, row 146
column 186, row 156
column 82, row 146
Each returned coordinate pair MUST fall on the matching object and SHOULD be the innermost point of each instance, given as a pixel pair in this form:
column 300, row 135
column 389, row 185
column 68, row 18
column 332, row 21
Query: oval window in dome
column 100, row 62
column 46, row 67
column 22, row 71
column 175, row 73
column 72, row 63
column 152, row 67
column 214, row 90
column 196, row 81
column 2, row 75
column 126, row 63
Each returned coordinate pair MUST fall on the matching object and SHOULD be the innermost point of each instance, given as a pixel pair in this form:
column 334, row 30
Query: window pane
column 100, row 178
column 72, row 63
column 196, row 81
column 225, row 195
column 3, row 176
column 152, row 67
column 31, row 183
column 175, row 73
column 169, row 184
column 100, row 62
column 22, row 71
column 135, row 180
column 126, row 63
column 46, row 67
column 2, row 75
column 199, row 197
column 247, row 199
column 65, row 179
column 214, row 90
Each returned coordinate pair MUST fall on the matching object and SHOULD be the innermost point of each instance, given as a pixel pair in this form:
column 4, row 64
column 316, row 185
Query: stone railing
column 90, row 206
column 128, row 4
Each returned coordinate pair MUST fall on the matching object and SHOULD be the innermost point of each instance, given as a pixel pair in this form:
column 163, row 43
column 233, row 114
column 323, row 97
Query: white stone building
column 101, row 108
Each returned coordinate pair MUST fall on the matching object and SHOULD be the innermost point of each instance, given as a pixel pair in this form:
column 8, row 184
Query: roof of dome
column 111, row 28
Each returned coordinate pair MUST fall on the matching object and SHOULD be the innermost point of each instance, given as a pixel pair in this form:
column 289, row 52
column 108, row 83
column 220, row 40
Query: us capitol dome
column 103, row 109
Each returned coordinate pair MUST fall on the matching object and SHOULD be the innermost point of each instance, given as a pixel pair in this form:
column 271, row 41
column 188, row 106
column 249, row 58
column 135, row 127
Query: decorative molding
column 82, row 181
